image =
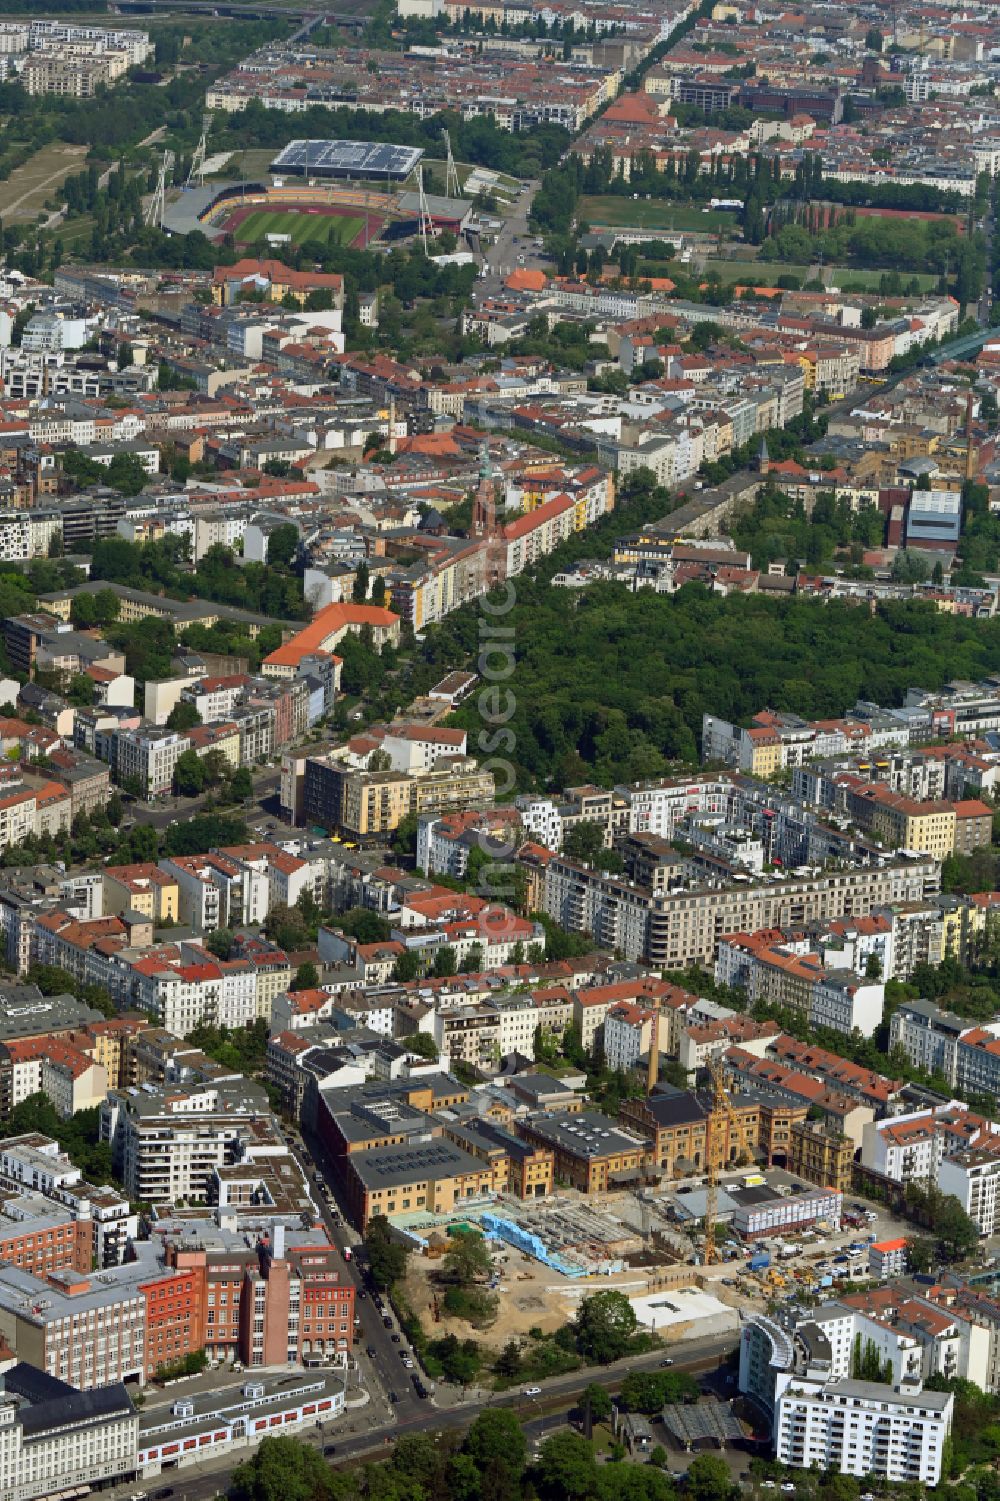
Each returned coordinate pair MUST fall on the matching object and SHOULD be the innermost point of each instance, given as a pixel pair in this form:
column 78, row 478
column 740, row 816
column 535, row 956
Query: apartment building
column 910, row 1148
column 672, row 929
column 628, row 1031
column 143, row 887
column 166, row 1142
column 64, row 1071
column 903, row 823
column 888, row 1258
column 785, row 975
column 862, row 1428
column 274, row 1294
column 973, row 1176
column 364, row 806
column 148, row 757
column 72, row 77
column 821, row 1154
column 928, row 1036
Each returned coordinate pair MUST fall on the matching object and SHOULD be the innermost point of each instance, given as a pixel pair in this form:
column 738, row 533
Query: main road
column 355, row 1437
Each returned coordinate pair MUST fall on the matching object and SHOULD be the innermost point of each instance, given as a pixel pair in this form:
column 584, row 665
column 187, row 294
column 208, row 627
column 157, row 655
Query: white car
column 532, row 1391
column 788, row 1486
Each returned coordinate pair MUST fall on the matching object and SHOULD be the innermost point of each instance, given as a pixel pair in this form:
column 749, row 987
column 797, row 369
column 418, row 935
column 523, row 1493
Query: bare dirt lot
column 23, row 195
column 530, row 1296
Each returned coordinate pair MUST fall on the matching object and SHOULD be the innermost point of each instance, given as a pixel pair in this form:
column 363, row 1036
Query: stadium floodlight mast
column 197, row 169
column 451, row 171
column 427, row 226
column 157, row 205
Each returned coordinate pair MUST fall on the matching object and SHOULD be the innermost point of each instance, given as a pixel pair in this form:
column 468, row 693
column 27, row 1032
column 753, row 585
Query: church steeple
column 484, row 511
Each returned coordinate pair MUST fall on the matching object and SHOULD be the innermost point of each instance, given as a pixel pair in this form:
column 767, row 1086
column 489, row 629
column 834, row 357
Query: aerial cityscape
column 499, row 751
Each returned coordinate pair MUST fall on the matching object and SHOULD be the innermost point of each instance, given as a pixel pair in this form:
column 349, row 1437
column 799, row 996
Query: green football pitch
column 327, row 229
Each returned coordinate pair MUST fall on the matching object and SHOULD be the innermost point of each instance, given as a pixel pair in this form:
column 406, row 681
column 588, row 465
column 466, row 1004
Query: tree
column 873, row 967
column 709, row 1479
column 359, row 589
column 567, row 1467
column 583, row 841
column 497, row 1447
column 444, row 961
column 508, row 1362
column 190, row 774
column 920, row 1255
column 220, row 943
column 386, row 1257
column 423, row 1044
column 282, row 545
column 605, row 1324
column 473, row 961
column 183, row 716
column 460, row 1358
column 467, row 1258
column 285, row 1469
column 80, row 691
column 241, row 784
column 306, row 977
column 364, row 926
column 597, row 1402
column 407, row 967
column 957, row 1236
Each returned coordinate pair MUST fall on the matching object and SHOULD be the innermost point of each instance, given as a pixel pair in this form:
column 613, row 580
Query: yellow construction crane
column 721, row 1114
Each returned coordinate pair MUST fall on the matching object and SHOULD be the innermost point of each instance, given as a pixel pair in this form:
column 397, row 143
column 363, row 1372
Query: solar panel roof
column 348, row 158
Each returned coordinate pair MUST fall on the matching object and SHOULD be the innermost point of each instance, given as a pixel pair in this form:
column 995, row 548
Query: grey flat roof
column 585, row 1134
column 393, row 1167
column 875, row 1391
column 25, row 1012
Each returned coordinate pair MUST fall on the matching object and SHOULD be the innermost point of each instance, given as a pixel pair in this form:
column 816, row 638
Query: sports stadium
column 341, row 193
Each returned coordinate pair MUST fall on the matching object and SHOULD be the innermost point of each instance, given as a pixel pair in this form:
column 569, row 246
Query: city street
column 355, row 1435
column 513, row 241
column 172, row 809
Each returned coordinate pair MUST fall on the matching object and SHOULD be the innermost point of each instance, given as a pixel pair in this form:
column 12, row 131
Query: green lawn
column 766, row 274
column 331, row 229
column 608, row 210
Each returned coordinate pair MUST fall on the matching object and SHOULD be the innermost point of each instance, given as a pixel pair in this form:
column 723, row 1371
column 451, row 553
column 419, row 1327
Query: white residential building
column 541, row 820
column 166, row 1142
column 149, row 755
column 628, row 1035
column 973, row 1177
column 844, row 1002
column 862, row 1428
